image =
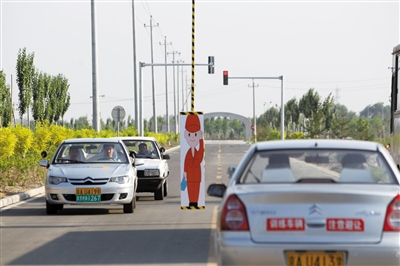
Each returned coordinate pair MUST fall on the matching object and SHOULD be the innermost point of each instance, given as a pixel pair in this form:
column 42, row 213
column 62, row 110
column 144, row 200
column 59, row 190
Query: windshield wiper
column 68, row 160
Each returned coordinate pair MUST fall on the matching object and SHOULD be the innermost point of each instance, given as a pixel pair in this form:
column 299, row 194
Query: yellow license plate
column 88, row 191
column 315, row 259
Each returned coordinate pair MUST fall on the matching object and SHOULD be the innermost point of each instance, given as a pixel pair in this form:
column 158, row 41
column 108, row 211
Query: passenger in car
column 278, row 169
column 355, row 169
column 354, row 160
column 108, row 153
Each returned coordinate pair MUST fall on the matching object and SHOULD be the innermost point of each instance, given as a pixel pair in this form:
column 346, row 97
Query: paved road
column 157, row 233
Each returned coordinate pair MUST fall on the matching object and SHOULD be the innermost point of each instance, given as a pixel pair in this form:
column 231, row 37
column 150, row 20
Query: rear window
column 322, row 166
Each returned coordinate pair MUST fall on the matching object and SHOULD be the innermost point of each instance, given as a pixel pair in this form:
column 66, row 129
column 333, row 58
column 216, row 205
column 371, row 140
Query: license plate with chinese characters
column 88, row 194
column 315, row 259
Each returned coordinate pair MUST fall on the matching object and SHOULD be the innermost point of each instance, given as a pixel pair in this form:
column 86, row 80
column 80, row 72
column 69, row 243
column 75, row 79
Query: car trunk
column 317, row 213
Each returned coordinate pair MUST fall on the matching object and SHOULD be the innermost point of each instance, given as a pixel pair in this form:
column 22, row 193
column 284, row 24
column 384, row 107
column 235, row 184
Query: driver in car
column 143, row 150
column 73, row 154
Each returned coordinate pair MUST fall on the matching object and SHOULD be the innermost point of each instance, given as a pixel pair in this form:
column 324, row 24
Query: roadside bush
column 8, row 141
column 297, row 135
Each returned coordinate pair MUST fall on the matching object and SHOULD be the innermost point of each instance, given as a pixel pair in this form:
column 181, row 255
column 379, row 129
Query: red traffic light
column 225, row 73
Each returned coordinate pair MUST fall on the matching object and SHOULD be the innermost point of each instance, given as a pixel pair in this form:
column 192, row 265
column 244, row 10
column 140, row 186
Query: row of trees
column 48, row 99
column 45, row 95
column 312, row 116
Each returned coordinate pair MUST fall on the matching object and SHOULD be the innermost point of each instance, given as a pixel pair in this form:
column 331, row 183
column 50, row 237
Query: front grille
column 88, row 181
column 140, row 173
column 104, row 197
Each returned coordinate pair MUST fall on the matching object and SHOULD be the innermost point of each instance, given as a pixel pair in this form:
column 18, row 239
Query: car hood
column 93, row 170
column 148, row 164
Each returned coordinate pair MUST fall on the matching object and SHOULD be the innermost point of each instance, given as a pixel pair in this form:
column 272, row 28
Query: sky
column 342, row 48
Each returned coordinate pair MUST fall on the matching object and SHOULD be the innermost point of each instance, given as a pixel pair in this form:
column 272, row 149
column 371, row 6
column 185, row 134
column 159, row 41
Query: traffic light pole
column 282, row 105
column 141, row 65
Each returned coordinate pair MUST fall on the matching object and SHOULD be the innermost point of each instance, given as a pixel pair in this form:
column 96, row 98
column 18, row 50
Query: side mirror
column 166, row 156
column 230, row 171
column 216, row 190
column 44, row 163
column 43, row 154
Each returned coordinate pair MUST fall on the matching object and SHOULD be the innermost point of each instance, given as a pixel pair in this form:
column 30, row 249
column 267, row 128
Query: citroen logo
column 88, row 179
column 315, row 208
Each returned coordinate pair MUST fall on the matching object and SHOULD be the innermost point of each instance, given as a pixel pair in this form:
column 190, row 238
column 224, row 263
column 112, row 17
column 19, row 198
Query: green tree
column 361, row 129
column 160, row 123
column 38, row 96
column 25, row 70
column 225, row 127
column 218, row 126
column 340, row 124
column 5, row 101
column 62, row 99
column 209, row 127
column 237, row 128
column 292, row 110
column 309, row 103
column 48, row 97
column 81, row 123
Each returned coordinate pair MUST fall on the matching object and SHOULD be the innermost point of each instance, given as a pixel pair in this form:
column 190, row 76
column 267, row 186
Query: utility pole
column 225, row 82
column 134, row 70
column 254, row 111
column 166, row 82
column 96, row 120
column 173, row 74
column 177, row 90
column 152, row 73
column 183, row 91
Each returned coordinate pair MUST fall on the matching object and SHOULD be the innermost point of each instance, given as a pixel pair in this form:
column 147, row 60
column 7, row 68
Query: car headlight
column 120, row 179
column 151, row 172
column 55, row 180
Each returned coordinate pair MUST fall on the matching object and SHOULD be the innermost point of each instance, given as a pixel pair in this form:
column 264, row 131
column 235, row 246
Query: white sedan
column 310, row 202
column 90, row 172
column 153, row 170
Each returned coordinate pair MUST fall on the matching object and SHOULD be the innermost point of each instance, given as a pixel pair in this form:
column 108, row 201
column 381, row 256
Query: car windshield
column 91, row 152
column 143, row 148
column 322, row 166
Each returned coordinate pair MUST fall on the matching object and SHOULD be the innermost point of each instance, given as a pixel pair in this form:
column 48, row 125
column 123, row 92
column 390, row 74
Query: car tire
column 130, row 207
column 166, row 187
column 51, row 208
column 159, row 193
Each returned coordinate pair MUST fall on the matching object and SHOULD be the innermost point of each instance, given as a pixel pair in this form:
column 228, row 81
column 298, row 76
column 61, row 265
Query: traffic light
column 225, row 77
column 211, row 65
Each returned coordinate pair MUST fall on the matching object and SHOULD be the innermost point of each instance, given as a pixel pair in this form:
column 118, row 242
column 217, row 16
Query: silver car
column 90, row 172
column 310, row 202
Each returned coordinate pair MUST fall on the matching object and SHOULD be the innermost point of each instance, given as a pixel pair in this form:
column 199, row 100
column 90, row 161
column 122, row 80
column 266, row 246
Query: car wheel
column 51, row 208
column 129, row 207
column 159, row 193
column 166, row 187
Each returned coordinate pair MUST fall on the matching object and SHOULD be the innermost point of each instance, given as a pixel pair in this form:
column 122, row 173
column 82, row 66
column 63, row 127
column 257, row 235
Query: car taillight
column 392, row 219
column 234, row 215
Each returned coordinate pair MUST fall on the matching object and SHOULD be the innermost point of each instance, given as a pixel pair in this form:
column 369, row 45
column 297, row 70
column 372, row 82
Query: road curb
column 21, row 196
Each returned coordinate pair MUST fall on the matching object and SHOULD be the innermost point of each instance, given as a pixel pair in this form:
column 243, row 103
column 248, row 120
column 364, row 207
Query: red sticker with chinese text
column 345, row 224
column 285, row 224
